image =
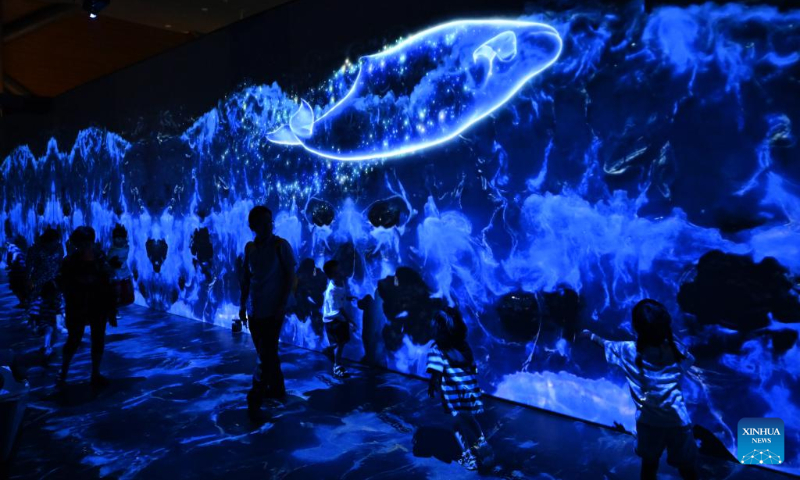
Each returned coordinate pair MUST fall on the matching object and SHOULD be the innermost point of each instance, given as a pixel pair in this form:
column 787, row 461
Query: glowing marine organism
column 425, row 90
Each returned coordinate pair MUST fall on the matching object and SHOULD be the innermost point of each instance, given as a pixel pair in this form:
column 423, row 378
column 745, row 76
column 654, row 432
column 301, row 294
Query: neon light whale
column 425, row 90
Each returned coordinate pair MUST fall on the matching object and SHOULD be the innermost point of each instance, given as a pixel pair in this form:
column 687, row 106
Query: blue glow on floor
column 654, row 138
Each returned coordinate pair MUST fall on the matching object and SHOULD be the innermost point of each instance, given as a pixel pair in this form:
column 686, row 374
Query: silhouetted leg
column 649, row 470
column 330, row 350
column 461, row 441
column 650, row 444
column 32, row 299
column 682, row 451
column 74, row 336
column 688, row 472
column 465, row 425
column 337, row 359
column 464, row 436
column 483, row 451
column 98, row 346
column 48, row 340
column 255, row 397
column 477, row 432
column 275, row 381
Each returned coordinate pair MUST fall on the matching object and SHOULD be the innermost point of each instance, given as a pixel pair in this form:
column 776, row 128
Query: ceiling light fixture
column 94, row 6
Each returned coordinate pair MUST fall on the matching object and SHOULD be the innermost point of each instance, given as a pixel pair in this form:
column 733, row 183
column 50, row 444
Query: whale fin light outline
column 301, row 125
column 502, row 46
column 302, row 122
column 285, row 136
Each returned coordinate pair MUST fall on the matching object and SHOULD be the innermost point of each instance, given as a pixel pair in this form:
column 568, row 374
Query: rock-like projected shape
column 737, row 293
column 310, row 293
column 156, row 252
column 202, row 249
column 348, row 259
column 562, row 308
column 782, row 340
column 408, row 308
column 519, row 315
column 373, row 322
column 320, row 211
column 523, row 314
column 387, row 213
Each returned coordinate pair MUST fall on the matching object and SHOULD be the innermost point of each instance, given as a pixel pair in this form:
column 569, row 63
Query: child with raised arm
column 453, row 371
column 654, row 365
column 336, row 315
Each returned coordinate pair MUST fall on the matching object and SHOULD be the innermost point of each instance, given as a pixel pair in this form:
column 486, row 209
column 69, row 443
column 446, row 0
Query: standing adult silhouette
column 268, row 280
column 85, row 280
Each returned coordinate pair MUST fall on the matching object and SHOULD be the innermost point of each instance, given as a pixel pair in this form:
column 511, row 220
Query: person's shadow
column 436, row 442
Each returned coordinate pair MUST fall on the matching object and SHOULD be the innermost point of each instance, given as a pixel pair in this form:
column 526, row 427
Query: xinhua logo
column 761, row 441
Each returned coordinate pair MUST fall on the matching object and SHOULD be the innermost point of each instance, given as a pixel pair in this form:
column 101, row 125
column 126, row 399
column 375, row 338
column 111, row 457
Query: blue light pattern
column 425, row 90
column 655, row 138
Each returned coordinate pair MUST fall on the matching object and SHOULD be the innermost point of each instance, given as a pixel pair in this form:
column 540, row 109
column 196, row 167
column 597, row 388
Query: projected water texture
column 545, row 172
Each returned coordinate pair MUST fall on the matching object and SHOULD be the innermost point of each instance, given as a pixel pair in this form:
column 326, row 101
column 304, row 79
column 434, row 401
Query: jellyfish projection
column 426, row 90
column 544, row 177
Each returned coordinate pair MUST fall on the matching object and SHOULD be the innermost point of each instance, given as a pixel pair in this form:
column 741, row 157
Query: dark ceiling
column 51, row 46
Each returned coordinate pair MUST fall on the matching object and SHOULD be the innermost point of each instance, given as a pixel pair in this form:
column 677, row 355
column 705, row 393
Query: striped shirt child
column 655, row 385
column 460, row 391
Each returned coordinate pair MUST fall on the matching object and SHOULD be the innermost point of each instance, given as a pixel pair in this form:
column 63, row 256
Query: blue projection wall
column 546, row 172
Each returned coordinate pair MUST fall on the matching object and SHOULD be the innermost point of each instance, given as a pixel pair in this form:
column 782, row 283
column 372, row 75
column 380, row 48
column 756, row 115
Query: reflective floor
column 175, row 409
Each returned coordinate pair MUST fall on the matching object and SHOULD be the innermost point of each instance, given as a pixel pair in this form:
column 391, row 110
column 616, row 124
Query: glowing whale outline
column 301, row 123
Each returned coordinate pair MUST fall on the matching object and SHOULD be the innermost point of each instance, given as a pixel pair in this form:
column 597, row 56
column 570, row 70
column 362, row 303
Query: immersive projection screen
column 545, row 171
